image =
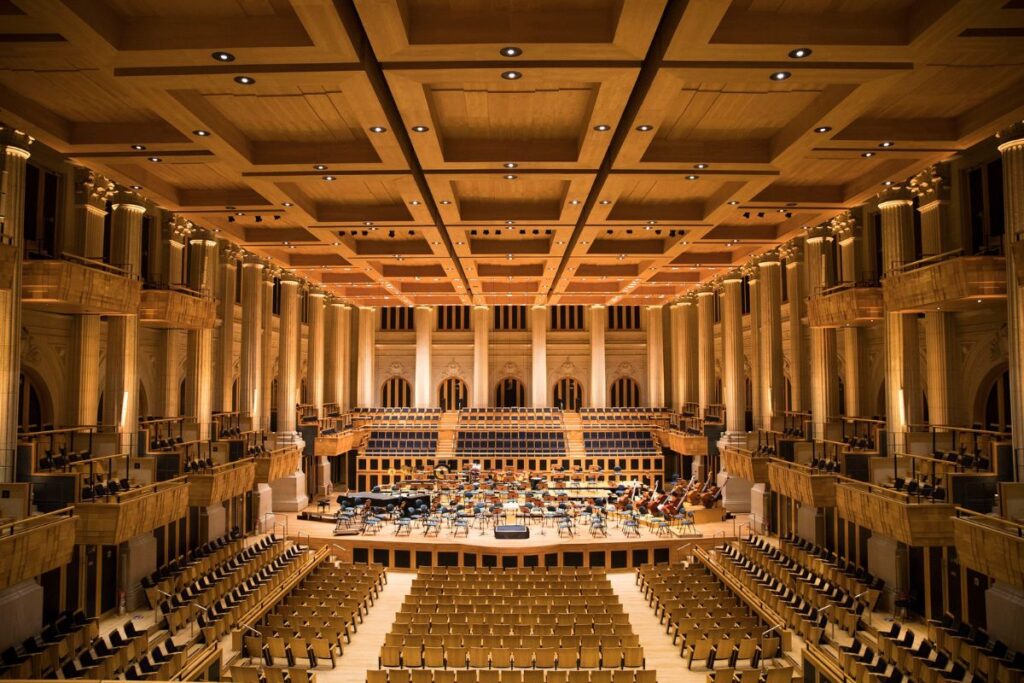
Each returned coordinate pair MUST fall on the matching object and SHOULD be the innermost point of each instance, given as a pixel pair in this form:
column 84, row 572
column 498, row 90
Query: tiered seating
column 972, row 648
column 401, row 442
column 271, row 674
column 527, row 443
column 799, row 614
column 710, row 622
column 70, row 633
column 851, row 577
column 223, row 594
column 619, row 443
column 398, row 417
column 621, row 417
column 176, row 575
column 512, row 619
column 510, row 676
column 306, row 629
column 489, row 418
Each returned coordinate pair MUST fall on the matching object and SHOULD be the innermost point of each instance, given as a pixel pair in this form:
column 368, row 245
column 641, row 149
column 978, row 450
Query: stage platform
column 545, row 547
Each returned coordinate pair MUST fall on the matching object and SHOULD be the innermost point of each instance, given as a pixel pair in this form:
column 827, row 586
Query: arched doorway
column 35, row 412
column 452, row 394
column 510, row 394
column 396, row 393
column 625, row 393
column 568, row 394
column 993, row 412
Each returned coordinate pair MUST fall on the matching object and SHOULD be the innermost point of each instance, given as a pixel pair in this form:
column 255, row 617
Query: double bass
column 693, row 496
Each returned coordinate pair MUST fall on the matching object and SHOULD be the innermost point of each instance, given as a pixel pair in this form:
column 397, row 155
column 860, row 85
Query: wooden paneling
column 281, row 462
column 130, row 514
column 853, row 306
column 35, row 545
column 889, row 513
column 66, row 287
column 955, row 283
column 176, row 310
column 991, row 546
column 687, row 444
column 801, row 484
column 223, row 483
column 742, row 463
column 335, row 444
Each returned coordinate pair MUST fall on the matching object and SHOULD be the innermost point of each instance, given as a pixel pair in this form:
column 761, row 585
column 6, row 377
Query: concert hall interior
column 512, row 341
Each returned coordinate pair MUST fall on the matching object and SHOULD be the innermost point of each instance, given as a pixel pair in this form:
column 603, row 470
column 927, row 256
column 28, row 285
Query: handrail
column 35, row 522
column 954, row 428
column 59, row 430
column 926, row 260
column 96, row 264
column 997, row 524
column 845, row 286
column 132, row 494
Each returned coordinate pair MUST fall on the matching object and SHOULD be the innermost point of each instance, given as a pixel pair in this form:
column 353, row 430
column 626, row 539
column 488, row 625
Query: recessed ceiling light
column 510, row 51
column 367, row 222
column 510, row 222
column 155, row 160
column 138, row 148
column 286, row 204
column 602, row 127
column 510, row 177
column 868, row 155
column 201, row 133
column 328, row 177
column 239, row 213
column 605, row 201
column 692, row 177
column 420, row 129
column 377, row 129
column 320, row 167
column 223, row 56
column 459, row 244
column 800, row 53
column 510, row 164
column 887, row 183
column 415, row 202
column 245, row 80
column 886, row 143
column 136, row 187
column 733, row 202
column 780, row 75
column 644, row 127
column 511, row 75
column 574, row 202
column 446, row 202
column 822, row 129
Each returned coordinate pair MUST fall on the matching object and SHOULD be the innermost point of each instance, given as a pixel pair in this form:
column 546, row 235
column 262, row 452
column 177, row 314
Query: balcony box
column 72, row 284
column 946, row 281
column 179, row 309
column 845, row 305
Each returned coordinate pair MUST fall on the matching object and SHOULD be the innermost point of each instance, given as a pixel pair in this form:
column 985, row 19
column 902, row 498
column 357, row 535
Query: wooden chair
column 412, row 656
column 390, row 655
column 320, row 650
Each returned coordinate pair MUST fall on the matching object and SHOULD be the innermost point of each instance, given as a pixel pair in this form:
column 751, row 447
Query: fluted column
column 250, row 381
column 226, row 340
column 336, row 363
column 170, row 348
column 288, row 360
column 773, row 382
column 903, row 403
column 847, row 233
column 733, row 379
column 199, row 374
column 706, row 348
column 424, row 323
column 268, row 371
column 677, row 352
column 91, row 192
column 756, row 340
column 689, row 382
column 598, row 381
column 824, row 377
column 367, row 357
column 655, row 357
column 796, row 285
column 14, row 147
column 945, row 402
column 539, row 333
column 481, row 357
column 120, row 396
column 315, row 349
column 1012, row 149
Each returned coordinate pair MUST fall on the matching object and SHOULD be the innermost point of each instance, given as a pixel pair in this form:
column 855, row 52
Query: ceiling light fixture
column 378, row 129
column 644, row 127
column 420, row 129
column 780, row 75
column 136, row 187
column 574, row 202
column 446, row 202
column 328, row 178
column 605, row 201
column 822, row 129
column 155, row 160
column 415, row 202
column 201, row 133
column 512, row 75
column 510, row 164
column 868, row 155
column 320, row 167
column 245, row 80
column 602, row 128
column 733, row 202
column 700, row 166
column 800, row 53
column 886, row 144
column 287, row 204
column 510, row 177
column 692, row 177
column 223, row 56
column 138, row 148
column 510, row 51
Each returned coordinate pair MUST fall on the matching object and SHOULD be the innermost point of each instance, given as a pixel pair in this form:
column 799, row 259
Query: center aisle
column 361, row 654
column 659, row 652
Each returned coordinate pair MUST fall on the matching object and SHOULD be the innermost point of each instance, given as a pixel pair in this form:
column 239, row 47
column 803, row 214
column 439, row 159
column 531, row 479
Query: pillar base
column 323, row 467
column 263, row 508
column 759, row 509
column 22, row 607
column 735, row 492
column 887, row 560
column 139, row 560
column 289, row 439
column 213, row 522
column 290, row 493
column 1004, row 612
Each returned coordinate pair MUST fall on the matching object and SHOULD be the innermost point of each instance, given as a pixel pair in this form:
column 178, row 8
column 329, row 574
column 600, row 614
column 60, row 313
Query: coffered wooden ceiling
column 380, row 150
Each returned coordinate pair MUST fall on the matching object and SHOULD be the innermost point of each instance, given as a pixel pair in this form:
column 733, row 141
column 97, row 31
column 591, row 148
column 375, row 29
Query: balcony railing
column 118, row 518
column 951, row 280
column 991, row 545
column 279, row 463
column 743, row 463
column 73, row 284
column 803, row 484
column 895, row 514
column 220, row 483
column 176, row 307
column 35, row 545
column 847, row 303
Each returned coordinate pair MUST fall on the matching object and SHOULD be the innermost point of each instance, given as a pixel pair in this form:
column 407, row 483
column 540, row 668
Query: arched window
column 510, row 394
column 568, row 394
column 996, row 409
column 625, row 393
column 396, row 393
column 34, row 409
column 452, row 394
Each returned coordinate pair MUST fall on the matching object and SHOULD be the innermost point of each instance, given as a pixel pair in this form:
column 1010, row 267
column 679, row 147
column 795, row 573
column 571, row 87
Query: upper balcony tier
column 35, row 545
column 116, row 519
column 177, row 308
column 742, row 463
column 683, row 442
column 949, row 281
column 895, row 514
column 221, row 482
column 279, row 463
column 72, row 284
column 848, row 303
column 803, row 484
column 991, row 545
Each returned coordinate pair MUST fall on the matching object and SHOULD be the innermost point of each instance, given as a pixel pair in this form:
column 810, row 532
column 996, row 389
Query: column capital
column 931, row 185
column 424, row 307
column 594, row 306
column 333, row 300
column 896, row 194
column 287, row 278
column 14, row 140
column 769, row 258
column 252, row 261
column 92, row 189
column 230, row 253
column 792, row 251
column 481, row 307
column 750, row 270
column 818, row 233
column 733, row 276
column 1011, row 137
column 128, row 199
column 317, row 292
column 844, row 227
column 202, row 235
column 708, row 289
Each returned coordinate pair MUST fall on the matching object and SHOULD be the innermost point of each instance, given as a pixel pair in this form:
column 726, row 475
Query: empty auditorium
column 512, row 341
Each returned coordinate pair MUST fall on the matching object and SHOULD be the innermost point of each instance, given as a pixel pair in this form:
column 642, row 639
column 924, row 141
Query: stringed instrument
column 693, row 497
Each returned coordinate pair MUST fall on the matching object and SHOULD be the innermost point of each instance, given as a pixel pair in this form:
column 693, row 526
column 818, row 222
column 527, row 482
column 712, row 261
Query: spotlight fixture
column 510, row 164
column 822, row 129
column 377, row 129
column 223, row 56
column 201, row 133
column 511, row 75
column 510, row 177
column 155, row 160
column 510, row 51
column 245, row 80
column 760, row 214
column 867, row 155
column 746, row 214
column 886, row 144
column 420, row 129
column 700, row 166
column 602, row 128
column 510, row 222
column 328, row 178
column 320, row 167
column 789, row 214
column 231, row 219
column 780, row 75
column 800, row 53
column 692, row 177
column 239, row 213
column 138, row 148
column 259, row 219
column 644, row 127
